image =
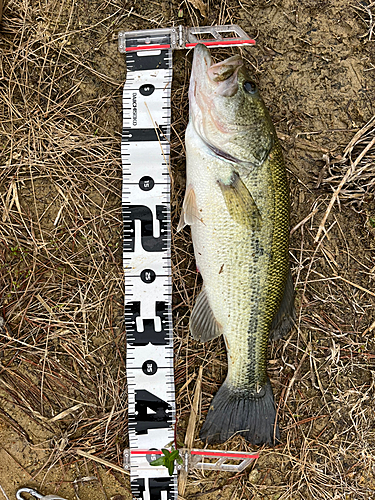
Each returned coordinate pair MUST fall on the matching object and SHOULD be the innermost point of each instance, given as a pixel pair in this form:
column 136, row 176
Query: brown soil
column 63, row 344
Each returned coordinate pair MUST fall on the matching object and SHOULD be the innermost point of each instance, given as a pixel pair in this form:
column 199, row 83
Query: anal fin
column 203, row 324
column 284, row 318
column 240, row 204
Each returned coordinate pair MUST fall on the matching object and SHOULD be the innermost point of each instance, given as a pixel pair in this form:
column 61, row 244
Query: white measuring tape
column 147, row 255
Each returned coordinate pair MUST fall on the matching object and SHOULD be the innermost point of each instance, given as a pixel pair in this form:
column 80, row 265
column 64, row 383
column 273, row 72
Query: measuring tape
column 147, row 253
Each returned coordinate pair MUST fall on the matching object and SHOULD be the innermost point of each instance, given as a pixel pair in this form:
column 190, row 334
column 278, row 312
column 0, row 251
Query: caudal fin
column 235, row 411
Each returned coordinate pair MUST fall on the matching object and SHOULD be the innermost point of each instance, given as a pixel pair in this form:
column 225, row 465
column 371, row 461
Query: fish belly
column 233, row 261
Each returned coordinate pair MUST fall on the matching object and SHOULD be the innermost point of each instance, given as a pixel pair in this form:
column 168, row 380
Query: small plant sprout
column 168, row 459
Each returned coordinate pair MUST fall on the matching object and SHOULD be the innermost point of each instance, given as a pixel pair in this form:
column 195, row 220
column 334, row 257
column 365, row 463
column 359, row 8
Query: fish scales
column 237, row 203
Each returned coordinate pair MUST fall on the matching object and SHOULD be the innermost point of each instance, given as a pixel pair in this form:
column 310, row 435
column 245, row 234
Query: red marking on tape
column 190, row 45
column 208, row 453
column 146, row 452
column 147, row 47
column 223, row 454
column 221, row 42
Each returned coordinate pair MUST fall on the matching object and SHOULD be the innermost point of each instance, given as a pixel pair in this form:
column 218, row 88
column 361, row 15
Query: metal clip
column 194, row 459
column 37, row 495
column 217, row 460
column 217, row 40
column 180, row 37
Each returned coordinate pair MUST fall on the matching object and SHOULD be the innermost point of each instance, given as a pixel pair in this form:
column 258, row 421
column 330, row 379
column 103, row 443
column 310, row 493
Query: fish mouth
column 208, row 81
column 225, row 70
column 233, row 126
column 222, row 75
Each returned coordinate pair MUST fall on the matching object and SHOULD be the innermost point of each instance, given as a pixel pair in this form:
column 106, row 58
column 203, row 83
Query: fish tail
column 242, row 412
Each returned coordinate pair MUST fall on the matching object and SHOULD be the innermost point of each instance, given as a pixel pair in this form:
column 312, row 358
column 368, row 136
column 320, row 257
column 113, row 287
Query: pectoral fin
column 240, row 203
column 189, row 212
column 203, row 324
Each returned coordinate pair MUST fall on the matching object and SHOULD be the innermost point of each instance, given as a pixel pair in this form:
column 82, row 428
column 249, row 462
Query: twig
column 3, row 492
column 303, row 221
column 293, row 379
column 101, row 461
column 357, row 286
column 189, row 436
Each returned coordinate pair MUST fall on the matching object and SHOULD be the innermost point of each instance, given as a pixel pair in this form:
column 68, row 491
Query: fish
column 237, row 205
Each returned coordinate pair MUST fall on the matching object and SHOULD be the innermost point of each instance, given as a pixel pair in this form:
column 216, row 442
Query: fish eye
column 250, row 87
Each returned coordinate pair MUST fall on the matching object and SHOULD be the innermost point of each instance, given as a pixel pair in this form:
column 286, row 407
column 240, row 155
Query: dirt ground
column 62, row 372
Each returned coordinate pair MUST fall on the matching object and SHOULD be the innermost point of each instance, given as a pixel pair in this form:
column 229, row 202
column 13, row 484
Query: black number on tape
column 146, row 183
column 147, row 89
column 134, row 62
column 156, row 486
column 144, row 214
column 148, row 276
column 149, row 334
column 145, row 421
column 138, row 488
column 149, row 367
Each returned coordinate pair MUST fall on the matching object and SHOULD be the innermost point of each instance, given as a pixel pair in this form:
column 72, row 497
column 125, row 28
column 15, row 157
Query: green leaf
column 168, row 459
column 158, row 461
column 173, row 455
column 170, row 468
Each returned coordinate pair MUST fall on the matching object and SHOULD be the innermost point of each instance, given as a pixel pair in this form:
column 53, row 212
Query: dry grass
column 358, row 165
column 63, row 342
column 61, row 274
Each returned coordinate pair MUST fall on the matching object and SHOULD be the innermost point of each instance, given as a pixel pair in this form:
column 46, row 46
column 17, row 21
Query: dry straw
column 62, row 343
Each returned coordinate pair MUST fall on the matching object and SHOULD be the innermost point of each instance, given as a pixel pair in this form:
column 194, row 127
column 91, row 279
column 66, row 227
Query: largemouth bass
column 237, row 203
